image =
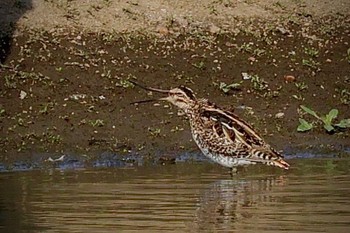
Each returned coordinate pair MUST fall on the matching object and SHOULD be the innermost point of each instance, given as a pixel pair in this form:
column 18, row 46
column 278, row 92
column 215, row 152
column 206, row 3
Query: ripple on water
column 314, row 196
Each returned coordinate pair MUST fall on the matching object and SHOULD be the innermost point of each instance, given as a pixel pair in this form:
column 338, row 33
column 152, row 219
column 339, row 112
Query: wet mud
column 67, row 92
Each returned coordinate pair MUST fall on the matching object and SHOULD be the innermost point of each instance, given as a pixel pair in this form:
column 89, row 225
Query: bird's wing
column 227, row 124
column 234, row 130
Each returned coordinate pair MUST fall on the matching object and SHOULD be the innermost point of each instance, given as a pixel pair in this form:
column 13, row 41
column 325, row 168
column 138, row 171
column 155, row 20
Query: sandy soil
column 66, row 66
column 134, row 15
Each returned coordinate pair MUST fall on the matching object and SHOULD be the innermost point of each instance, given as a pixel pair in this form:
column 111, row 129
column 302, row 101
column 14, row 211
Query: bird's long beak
column 149, row 88
column 165, row 98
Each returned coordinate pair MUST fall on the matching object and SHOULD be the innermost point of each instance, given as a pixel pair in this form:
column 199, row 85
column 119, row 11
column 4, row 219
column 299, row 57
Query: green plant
column 227, row 87
column 246, row 47
column 258, row 83
column 176, row 129
column 298, row 97
column 59, row 69
column 312, row 52
column 327, row 120
column 304, row 125
column 46, row 107
column 200, row 65
column 125, row 83
column 344, row 123
column 345, row 96
column 348, row 55
column 259, row 52
column 9, row 82
column 155, row 132
column 96, row 123
column 301, row 86
column 310, row 63
column 108, row 37
column 52, row 138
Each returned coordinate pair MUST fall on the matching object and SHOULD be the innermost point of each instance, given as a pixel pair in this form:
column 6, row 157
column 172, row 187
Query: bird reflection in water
column 226, row 203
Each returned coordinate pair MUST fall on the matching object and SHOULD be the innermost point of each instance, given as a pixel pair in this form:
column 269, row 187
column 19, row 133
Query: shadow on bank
column 10, row 12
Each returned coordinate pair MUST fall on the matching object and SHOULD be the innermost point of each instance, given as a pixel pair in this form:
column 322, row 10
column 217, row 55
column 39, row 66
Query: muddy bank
column 65, row 91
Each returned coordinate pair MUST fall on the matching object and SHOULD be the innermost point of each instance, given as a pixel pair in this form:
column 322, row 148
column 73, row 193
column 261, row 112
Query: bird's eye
column 176, row 94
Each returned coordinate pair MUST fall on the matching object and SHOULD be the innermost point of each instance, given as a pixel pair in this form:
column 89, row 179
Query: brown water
column 314, row 196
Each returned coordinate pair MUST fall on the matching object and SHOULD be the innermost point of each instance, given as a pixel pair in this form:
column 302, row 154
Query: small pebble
column 279, row 115
column 289, row 78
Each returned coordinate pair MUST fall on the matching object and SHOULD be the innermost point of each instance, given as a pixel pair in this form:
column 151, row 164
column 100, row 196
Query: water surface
column 314, row 196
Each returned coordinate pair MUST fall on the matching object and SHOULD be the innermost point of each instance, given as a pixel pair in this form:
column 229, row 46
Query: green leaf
column 328, row 127
column 345, row 123
column 332, row 115
column 223, row 87
column 226, row 88
column 308, row 110
column 234, row 86
column 327, row 120
column 304, row 125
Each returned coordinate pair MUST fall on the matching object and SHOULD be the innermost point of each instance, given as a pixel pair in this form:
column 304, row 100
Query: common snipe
column 221, row 135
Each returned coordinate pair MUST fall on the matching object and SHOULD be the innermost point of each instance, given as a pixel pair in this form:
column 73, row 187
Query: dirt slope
column 65, row 72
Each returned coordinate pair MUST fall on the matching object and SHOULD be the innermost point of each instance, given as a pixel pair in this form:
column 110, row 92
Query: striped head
column 182, row 97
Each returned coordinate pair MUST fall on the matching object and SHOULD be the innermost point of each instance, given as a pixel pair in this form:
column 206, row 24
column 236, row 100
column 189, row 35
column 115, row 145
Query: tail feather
column 270, row 157
column 280, row 163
